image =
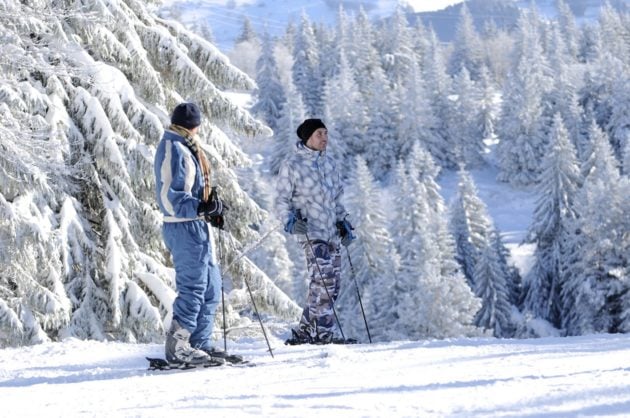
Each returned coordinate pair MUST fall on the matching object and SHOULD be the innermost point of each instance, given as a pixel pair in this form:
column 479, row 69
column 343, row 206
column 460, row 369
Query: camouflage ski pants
column 318, row 319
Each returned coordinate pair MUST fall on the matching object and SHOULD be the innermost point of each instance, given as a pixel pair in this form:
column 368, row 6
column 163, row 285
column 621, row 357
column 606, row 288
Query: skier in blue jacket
column 184, row 197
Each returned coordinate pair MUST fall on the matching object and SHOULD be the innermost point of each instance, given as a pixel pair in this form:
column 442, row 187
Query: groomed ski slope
column 548, row 377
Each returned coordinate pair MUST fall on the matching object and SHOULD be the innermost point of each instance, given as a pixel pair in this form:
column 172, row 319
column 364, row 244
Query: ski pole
column 253, row 246
column 321, row 276
column 356, row 284
column 220, row 244
column 214, row 195
column 251, row 296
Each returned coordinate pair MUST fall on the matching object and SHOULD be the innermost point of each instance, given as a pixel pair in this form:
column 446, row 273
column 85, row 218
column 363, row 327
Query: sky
column 430, row 5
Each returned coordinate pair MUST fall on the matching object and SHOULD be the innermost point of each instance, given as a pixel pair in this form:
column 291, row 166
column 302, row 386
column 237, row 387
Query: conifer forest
column 86, row 91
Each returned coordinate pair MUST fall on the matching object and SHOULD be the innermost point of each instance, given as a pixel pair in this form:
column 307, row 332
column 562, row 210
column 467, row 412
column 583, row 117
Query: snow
column 546, row 377
column 481, row 377
column 576, row 376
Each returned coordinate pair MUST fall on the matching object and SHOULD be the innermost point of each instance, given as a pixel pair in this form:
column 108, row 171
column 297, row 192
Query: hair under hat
column 306, row 129
column 187, row 115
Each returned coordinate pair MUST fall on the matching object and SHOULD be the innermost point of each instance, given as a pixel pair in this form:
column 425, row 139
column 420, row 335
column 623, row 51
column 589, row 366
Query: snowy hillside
column 548, row 377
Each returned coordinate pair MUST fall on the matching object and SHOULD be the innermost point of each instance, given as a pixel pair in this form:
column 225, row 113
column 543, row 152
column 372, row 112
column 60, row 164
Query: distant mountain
column 504, row 13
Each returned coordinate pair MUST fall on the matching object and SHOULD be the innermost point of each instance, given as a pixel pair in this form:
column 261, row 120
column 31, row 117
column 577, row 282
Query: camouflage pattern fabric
column 318, row 319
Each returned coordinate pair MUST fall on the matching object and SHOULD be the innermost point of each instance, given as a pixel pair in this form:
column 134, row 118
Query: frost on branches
column 85, row 92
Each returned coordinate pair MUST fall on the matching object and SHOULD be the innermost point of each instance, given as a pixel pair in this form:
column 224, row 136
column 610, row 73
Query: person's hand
column 295, row 224
column 345, row 232
column 213, row 207
column 212, row 210
column 216, row 221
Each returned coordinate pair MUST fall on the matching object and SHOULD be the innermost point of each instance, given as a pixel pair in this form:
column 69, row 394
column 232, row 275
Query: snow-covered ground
column 549, row 377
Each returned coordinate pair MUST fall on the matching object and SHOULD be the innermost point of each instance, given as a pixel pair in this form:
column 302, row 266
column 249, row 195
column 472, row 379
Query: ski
column 341, row 341
column 161, row 364
column 232, row 360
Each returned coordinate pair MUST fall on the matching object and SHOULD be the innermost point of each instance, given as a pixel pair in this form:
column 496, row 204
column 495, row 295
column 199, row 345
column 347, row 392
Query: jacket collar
column 302, row 149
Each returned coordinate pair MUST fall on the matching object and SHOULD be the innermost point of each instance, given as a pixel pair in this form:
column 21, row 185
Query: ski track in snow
column 545, row 377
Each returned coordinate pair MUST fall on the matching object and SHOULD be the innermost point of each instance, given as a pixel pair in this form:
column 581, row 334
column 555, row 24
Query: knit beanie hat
column 186, row 115
column 306, row 129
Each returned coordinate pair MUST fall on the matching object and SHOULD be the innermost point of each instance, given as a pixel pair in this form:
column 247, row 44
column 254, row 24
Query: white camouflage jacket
column 309, row 181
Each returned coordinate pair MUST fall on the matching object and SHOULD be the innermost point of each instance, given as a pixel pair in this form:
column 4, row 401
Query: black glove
column 216, row 221
column 212, row 210
column 213, row 207
column 345, row 232
column 295, row 224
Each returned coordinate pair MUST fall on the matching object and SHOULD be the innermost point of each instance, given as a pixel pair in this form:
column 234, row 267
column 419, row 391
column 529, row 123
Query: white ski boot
column 178, row 349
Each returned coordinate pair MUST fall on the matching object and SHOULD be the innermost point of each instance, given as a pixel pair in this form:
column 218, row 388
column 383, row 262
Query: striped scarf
column 192, row 141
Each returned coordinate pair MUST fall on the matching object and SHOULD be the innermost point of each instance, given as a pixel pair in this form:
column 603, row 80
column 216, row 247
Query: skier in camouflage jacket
column 309, row 197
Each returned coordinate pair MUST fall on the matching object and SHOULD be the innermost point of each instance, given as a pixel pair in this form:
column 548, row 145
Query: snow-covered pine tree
column 270, row 95
column 491, row 287
column 329, row 49
column 521, row 128
column 398, row 318
column 362, row 55
column 562, row 97
column 510, row 272
column 470, row 225
column 345, row 114
column 291, row 115
column 488, row 109
column 247, row 49
column 87, row 89
column 594, row 294
column 395, row 46
column 568, row 28
column 306, row 71
column 373, row 255
column 444, row 150
column 342, row 32
column 466, row 124
column 613, row 25
column 557, row 185
column 467, row 47
column 618, row 124
column 248, row 34
column 381, row 141
column 417, row 122
column 436, row 300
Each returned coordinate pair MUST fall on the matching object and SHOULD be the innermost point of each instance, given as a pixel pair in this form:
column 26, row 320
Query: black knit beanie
column 306, row 129
column 186, row 115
